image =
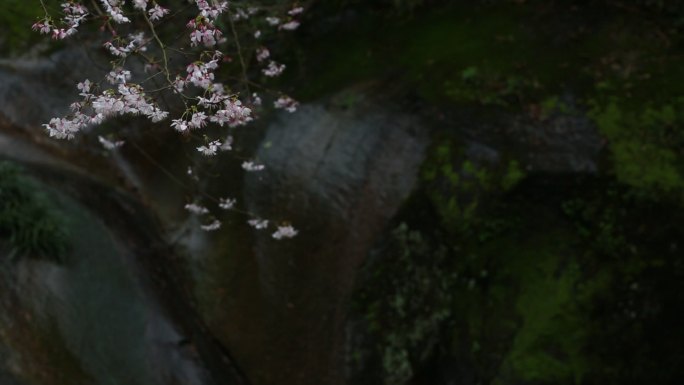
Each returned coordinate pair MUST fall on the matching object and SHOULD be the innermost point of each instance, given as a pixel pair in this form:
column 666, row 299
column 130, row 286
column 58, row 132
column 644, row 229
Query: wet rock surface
column 93, row 318
column 338, row 171
column 340, row 175
column 557, row 143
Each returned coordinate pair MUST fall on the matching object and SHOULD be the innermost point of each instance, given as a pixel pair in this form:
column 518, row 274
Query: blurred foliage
column 27, row 219
column 15, row 24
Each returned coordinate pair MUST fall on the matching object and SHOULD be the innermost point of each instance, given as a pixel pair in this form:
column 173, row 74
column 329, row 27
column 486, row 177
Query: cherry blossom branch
column 207, row 101
column 161, row 46
column 239, row 51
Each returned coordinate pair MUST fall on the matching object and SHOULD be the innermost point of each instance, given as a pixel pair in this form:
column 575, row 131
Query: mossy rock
column 28, row 221
column 571, row 292
column 645, row 143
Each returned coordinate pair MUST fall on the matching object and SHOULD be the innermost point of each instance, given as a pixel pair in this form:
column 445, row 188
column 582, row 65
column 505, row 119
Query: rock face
column 339, row 175
column 558, row 143
column 339, row 170
column 93, row 318
column 35, row 90
column 116, row 311
column 567, row 143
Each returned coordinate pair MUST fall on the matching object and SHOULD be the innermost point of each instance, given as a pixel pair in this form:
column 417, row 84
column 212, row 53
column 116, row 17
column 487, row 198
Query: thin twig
column 239, row 52
column 161, row 46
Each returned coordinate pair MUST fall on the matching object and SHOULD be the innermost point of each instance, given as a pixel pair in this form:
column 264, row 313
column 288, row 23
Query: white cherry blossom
column 110, row 145
column 210, row 149
column 196, row 209
column 258, row 224
column 227, row 203
column 251, row 166
column 284, row 232
column 213, row 226
column 157, row 12
column 289, row 26
column 286, row 103
column 274, row 69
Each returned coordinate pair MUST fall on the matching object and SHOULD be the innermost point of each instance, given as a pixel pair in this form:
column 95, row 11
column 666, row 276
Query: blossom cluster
column 73, row 15
column 283, row 231
column 126, row 98
column 200, row 84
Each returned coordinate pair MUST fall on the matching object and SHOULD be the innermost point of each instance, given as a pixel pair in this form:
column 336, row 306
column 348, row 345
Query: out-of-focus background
column 486, row 192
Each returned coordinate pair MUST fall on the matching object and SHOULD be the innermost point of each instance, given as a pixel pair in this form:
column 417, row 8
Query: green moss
column 646, row 165
column 534, row 294
column 643, row 143
column 530, row 298
column 514, row 174
column 529, row 286
column 456, row 186
column 563, row 277
column 553, row 105
column 527, row 302
column 548, row 345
